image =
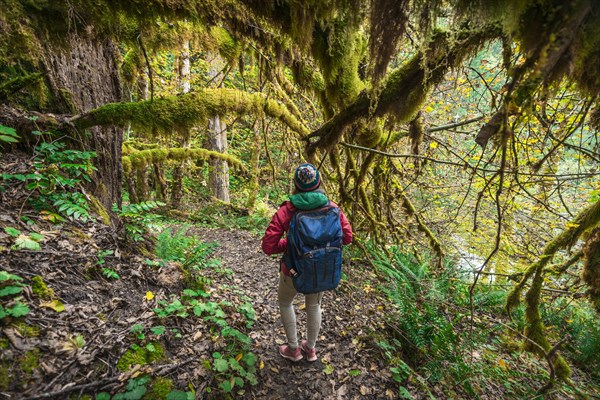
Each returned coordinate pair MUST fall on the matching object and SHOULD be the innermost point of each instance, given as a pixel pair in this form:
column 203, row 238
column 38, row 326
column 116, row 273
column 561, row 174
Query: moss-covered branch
column 188, row 110
column 141, row 159
column 406, row 88
column 535, row 331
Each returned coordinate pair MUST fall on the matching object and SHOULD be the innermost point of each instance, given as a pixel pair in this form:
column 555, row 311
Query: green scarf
column 309, row 200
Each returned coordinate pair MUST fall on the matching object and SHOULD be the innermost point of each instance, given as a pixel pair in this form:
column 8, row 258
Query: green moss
column 30, row 361
column 39, row 288
column 183, row 112
column 131, row 65
column 4, row 375
column 160, row 388
column 229, row 48
column 4, row 343
column 140, row 356
column 18, row 83
column 141, row 159
column 25, row 330
column 67, row 100
column 100, row 210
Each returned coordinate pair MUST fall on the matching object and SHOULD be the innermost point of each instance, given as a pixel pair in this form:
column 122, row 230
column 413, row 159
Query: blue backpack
column 314, row 249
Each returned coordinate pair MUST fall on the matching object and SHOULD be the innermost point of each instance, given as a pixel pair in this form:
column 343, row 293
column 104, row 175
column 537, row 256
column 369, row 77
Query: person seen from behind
column 307, row 195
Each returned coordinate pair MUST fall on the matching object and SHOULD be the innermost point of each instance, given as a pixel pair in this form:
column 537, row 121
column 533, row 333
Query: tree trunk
column 83, row 75
column 184, row 135
column 219, row 169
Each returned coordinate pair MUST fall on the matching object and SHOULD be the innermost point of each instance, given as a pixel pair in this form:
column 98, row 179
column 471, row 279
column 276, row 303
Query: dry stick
column 160, row 371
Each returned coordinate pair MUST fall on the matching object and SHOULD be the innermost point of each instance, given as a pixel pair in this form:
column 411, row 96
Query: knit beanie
column 307, row 178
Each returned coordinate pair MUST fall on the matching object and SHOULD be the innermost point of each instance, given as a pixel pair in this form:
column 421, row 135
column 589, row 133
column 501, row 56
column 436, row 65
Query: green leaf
column 12, row 231
column 26, row 243
column 18, row 310
column 354, row 372
column 238, row 381
column 38, row 237
column 251, row 378
column 404, row 393
column 7, row 130
column 158, row 330
column 226, row 386
column 179, row 395
column 5, row 276
column 220, row 365
column 249, row 359
column 8, row 139
column 103, row 396
column 7, row 291
column 328, row 369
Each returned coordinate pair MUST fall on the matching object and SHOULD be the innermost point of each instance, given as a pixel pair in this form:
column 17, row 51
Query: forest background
column 460, row 138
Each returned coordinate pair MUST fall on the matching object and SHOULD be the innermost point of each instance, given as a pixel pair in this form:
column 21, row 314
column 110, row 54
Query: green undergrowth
column 231, row 362
column 433, row 344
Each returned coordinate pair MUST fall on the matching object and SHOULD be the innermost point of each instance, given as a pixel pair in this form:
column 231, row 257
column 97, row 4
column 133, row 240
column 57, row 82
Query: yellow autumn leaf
column 149, row 296
column 571, row 225
column 239, row 357
column 502, row 364
column 56, row 305
column 433, row 145
column 261, row 365
column 429, row 109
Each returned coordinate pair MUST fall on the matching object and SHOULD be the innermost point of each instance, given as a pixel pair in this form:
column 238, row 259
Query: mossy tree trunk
column 82, row 76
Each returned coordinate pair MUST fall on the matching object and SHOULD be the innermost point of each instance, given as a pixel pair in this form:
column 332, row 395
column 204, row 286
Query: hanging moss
column 131, row 66
column 229, row 48
column 144, row 158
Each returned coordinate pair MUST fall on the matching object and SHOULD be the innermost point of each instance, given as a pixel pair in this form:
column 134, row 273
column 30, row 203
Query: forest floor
column 80, row 328
column 88, row 335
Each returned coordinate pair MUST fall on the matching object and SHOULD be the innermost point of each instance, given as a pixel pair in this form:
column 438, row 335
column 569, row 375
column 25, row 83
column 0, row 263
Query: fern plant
column 8, row 135
column 137, row 217
column 55, row 181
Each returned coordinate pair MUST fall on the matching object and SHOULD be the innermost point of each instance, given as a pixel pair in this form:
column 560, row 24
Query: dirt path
column 347, row 367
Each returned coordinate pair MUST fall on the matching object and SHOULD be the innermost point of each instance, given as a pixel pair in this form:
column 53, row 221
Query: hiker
column 307, row 195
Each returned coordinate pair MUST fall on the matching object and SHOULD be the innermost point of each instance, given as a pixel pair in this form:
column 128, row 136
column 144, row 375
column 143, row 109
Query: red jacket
column 274, row 241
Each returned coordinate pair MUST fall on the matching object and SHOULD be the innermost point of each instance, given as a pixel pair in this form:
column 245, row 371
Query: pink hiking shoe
column 287, row 352
column 311, row 354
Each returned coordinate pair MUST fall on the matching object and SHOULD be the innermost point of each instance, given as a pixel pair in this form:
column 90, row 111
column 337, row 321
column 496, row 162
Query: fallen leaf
column 56, row 305
column 149, row 296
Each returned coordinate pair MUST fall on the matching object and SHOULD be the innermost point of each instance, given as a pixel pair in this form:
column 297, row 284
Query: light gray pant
column 285, row 296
